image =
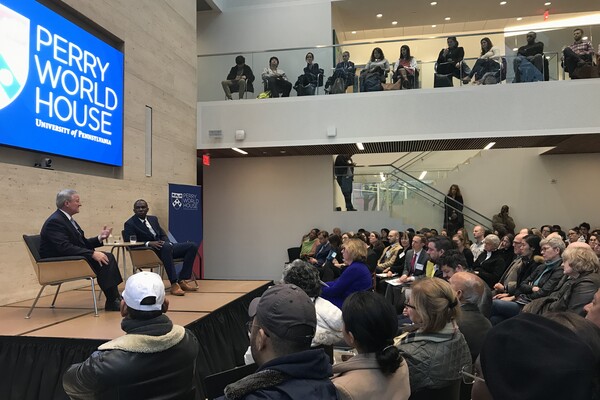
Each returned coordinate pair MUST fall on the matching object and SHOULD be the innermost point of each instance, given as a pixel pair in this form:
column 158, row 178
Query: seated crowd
column 529, row 65
column 424, row 322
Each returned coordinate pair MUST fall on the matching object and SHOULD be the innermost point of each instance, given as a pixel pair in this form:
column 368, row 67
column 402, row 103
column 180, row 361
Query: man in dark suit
column 415, row 260
column 147, row 229
column 61, row 236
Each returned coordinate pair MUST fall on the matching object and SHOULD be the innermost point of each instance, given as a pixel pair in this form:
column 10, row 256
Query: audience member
column 450, row 60
column 344, row 174
column 490, row 264
column 594, row 242
column 356, row 277
column 592, row 309
column 384, row 235
column 155, row 359
column 527, row 252
column 311, row 78
column 331, row 270
column 437, row 351
column 374, row 72
column 452, row 262
column 282, row 328
column 546, row 230
column 415, row 260
column 61, row 236
column 477, row 246
column 378, row 370
column 578, row 286
column 275, row 79
column 580, row 53
column 405, row 69
column 488, row 61
column 308, row 247
column 503, row 220
column 375, row 244
column 453, row 206
column 462, row 246
column 470, row 289
column 390, row 253
column 239, row 79
column 545, row 370
column 540, row 283
column 436, row 248
column 344, row 70
column 584, row 230
column 506, row 249
column 329, row 317
column 574, row 235
column 147, row 229
column 322, row 251
column 529, row 62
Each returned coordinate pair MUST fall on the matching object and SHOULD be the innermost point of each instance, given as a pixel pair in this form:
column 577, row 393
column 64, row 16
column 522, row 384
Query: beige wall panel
column 160, row 71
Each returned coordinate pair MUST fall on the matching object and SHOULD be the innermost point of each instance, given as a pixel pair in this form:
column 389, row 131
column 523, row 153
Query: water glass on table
column 133, row 239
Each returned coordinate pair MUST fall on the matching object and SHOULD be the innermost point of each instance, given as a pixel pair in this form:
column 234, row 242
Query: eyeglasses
column 250, row 325
column 406, row 305
column 469, row 378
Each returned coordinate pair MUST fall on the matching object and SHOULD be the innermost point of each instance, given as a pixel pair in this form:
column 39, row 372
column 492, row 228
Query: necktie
column 76, row 226
column 150, row 228
column 412, row 263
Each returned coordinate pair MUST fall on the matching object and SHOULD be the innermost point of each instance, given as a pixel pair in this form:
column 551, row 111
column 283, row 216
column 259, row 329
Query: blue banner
column 61, row 88
column 185, row 219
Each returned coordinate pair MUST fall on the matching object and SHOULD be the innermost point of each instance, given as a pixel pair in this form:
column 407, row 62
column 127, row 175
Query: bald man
column 470, row 289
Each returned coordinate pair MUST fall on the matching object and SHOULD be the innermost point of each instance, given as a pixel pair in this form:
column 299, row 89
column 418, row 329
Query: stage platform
column 35, row 352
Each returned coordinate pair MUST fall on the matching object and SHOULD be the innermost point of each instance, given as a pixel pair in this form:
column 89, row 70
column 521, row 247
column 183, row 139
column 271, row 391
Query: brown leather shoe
column 176, row 290
column 187, row 287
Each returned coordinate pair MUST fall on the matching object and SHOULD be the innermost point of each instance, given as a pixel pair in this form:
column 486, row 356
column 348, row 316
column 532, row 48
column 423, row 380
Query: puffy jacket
column 138, row 366
column 434, row 359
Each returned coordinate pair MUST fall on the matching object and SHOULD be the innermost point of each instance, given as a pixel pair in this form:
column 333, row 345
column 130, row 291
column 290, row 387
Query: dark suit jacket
column 133, row 226
column 490, row 270
column 422, row 259
column 474, row 326
column 60, row 238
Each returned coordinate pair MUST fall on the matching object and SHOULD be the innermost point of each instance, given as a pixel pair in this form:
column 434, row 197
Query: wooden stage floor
column 73, row 315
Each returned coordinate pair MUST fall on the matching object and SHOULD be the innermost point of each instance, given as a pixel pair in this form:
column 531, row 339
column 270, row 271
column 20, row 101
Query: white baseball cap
column 144, row 291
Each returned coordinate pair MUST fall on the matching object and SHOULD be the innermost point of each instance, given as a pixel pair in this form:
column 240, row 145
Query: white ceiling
column 416, row 17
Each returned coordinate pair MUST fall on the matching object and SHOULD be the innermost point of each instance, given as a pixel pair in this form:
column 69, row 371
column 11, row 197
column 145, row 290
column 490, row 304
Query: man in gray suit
column 415, row 260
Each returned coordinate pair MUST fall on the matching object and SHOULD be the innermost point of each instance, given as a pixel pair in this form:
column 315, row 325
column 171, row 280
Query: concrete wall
column 160, row 71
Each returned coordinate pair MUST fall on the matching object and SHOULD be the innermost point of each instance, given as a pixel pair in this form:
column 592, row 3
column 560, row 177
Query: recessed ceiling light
column 360, row 146
column 434, row 3
column 503, row 3
column 394, row 22
column 433, row 26
column 489, row 146
column 447, row 18
column 515, row 49
column 422, row 175
column 519, row 19
column 379, row 15
column 239, row 150
column 547, row 3
column 354, row 32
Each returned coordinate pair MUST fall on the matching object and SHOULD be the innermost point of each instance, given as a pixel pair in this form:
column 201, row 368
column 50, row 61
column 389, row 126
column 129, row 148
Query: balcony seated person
column 345, row 70
column 488, row 61
column 311, row 78
column 405, row 69
column 275, row 79
column 450, row 60
column 577, row 55
column 239, row 79
column 375, row 72
column 529, row 56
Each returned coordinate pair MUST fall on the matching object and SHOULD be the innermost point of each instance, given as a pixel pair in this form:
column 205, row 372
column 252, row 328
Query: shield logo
column 14, row 54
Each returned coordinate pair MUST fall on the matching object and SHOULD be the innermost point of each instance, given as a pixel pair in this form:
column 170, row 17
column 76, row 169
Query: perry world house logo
column 14, row 54
column 176, row 200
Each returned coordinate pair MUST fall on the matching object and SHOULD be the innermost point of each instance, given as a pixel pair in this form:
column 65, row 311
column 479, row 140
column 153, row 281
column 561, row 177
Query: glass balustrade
column 386, row 188
column 212, row 69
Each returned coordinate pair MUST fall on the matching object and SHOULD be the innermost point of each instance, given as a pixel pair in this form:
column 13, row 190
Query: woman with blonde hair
column 355, row 277
column 577, row 287
column 437, row 350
